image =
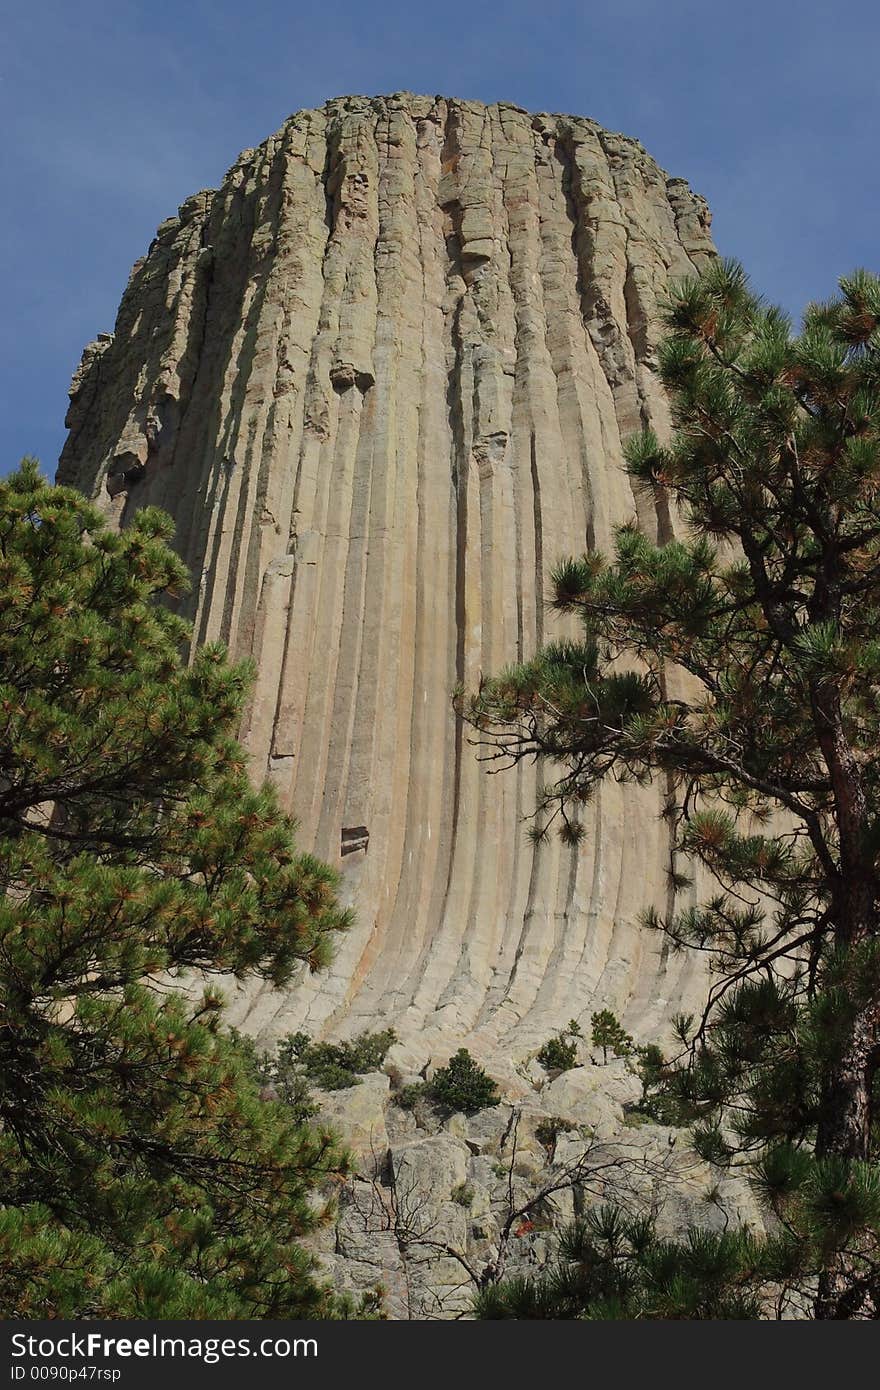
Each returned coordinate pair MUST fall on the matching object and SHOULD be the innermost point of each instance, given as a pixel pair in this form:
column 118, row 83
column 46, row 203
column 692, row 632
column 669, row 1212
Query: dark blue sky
column 114, row 111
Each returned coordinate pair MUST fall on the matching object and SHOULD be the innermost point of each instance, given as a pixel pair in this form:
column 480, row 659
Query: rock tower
column 380, row 378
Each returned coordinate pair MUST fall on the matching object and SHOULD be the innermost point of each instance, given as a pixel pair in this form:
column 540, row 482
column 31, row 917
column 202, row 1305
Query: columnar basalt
column 381, row 378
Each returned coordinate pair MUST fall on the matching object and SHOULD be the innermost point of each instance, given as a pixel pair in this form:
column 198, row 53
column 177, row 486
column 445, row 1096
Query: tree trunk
column 844, row 1130
column 845, row 1119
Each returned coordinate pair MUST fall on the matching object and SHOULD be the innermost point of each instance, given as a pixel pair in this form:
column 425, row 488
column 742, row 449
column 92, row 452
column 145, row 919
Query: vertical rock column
column 381, row 379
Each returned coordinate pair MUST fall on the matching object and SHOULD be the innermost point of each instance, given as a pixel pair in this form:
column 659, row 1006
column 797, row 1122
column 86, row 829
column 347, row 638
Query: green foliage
column 462, row 1085
column 659, row 1101
column 612, row 1266
column 412, row 1096
column 334, row 1066
column 609, row 1034
column 548, row 1131
column 739, row 664
column 634, row 1117
column 144, row 1173
column 278, row 1074
column 463, row 1194
column 560, row 1053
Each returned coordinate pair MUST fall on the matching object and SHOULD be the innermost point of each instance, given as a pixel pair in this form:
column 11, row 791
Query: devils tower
column 380, row 378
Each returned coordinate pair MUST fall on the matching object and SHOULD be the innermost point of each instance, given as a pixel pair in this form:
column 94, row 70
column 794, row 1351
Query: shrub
column 460, row 1086
column 658, row 1102
column 558, row 1054
column 548, row 1131
column 463, row 1085
column 634, row 1118
column 331, row 1066
column 409, row 1097
column 609, row 1034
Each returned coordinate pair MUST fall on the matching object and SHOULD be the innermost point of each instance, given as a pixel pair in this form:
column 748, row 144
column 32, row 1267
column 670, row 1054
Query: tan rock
column 582, row 1096
column 357, row 1113
column 381, row 379
column 431, row 1167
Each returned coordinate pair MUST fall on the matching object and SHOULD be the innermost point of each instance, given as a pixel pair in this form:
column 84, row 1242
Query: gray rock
column 358, row 1115
column 432, row 1166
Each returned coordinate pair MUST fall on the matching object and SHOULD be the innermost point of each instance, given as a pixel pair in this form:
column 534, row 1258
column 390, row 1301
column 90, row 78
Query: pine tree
column 609, row 1033
column 612, row 1266
column 142, row 1173
column 463, row 1085
column 741, row 664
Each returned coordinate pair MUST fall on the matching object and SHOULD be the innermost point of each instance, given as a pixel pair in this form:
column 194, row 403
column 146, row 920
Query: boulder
column 357, row 1113
column 583, row 1096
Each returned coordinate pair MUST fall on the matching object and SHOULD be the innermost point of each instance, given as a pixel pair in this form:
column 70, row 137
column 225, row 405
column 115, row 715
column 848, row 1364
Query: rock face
column 381, row 378
column 439, row 1207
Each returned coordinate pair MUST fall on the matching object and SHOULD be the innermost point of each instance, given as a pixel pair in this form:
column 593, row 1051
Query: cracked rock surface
column 441, row 1206
column 381, row 378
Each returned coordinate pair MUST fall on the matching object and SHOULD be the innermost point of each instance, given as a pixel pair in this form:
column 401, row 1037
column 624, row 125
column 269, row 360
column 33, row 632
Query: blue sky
column 114, row 111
